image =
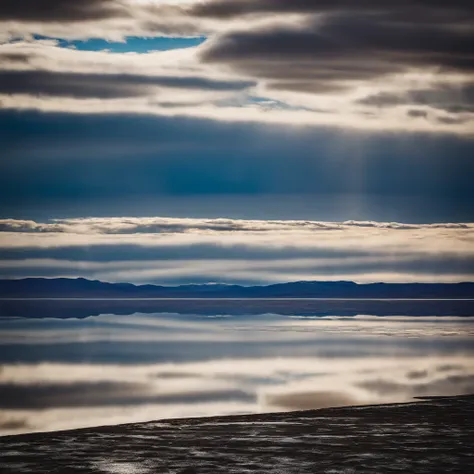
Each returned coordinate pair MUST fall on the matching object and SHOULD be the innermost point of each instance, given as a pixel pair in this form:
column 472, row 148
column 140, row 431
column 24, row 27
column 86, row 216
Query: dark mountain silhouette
column 82, row 288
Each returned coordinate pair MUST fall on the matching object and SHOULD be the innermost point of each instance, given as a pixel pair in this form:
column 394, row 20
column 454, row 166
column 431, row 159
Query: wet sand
column 434, row 435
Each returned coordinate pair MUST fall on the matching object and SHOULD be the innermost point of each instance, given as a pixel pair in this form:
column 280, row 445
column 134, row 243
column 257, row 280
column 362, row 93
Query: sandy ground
column 429, row 436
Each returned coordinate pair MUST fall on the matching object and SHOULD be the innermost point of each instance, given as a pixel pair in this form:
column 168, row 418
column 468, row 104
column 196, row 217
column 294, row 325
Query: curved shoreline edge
column 427, row 435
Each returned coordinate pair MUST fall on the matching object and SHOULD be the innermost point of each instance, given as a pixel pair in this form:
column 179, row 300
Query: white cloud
column 169, row 250
column 262, row 103
column 133, row 225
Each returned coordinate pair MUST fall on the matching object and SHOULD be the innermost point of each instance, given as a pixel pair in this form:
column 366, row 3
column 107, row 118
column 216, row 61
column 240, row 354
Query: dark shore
column 434, row 435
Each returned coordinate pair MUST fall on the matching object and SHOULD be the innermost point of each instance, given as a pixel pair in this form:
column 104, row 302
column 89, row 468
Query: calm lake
column 77, row 363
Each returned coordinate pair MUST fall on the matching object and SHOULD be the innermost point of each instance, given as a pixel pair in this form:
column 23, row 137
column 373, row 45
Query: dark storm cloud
column 60, row 10
column 112, row 17
column 342, row 35
column 448, row 367
column 348, row 44
column 225, row 9
column 86, row 10
column 319, row 61
column 447, row 97
column 306, row 86
column 417, row 113
column 417, row 374
column 22, row 58
column 82, row 85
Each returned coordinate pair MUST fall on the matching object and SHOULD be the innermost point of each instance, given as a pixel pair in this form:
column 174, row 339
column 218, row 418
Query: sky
column 237, row 141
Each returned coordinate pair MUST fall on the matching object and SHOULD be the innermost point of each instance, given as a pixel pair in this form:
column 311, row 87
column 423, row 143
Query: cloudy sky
column 237, row 140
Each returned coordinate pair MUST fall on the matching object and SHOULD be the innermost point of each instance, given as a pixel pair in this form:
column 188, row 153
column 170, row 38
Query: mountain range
column 83, row 288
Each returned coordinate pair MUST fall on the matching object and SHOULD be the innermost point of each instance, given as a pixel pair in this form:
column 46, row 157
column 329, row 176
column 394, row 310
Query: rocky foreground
column 435, row 435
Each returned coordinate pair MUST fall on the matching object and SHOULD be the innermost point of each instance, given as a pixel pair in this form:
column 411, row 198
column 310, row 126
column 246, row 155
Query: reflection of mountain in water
column 82, row 308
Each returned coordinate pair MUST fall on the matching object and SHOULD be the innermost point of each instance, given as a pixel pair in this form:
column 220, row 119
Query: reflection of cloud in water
column 388, row 384
column 393, row 326
column 265, row 328
column 449, row 385
column 118, row 369
column 42, row 396
column 55, row 396
column 12, row 424
column 310, row 400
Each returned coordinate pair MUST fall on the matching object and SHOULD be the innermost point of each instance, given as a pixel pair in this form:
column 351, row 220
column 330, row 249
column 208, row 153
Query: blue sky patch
column 132, row 44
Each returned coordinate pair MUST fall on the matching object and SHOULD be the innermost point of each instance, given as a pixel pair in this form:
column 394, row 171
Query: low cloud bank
column 174, row 250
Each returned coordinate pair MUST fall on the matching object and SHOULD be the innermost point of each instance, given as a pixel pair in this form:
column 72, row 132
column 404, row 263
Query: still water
column 76, row 363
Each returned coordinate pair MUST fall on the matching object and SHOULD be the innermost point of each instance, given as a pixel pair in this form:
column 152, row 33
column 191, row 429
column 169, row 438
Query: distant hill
column 82, row 288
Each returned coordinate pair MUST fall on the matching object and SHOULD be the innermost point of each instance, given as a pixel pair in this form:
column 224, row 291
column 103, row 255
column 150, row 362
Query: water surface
column 69, row 363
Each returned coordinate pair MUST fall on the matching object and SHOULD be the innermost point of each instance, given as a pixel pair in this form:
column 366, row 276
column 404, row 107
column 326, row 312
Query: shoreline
column 426, row 435
column 244, row 416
